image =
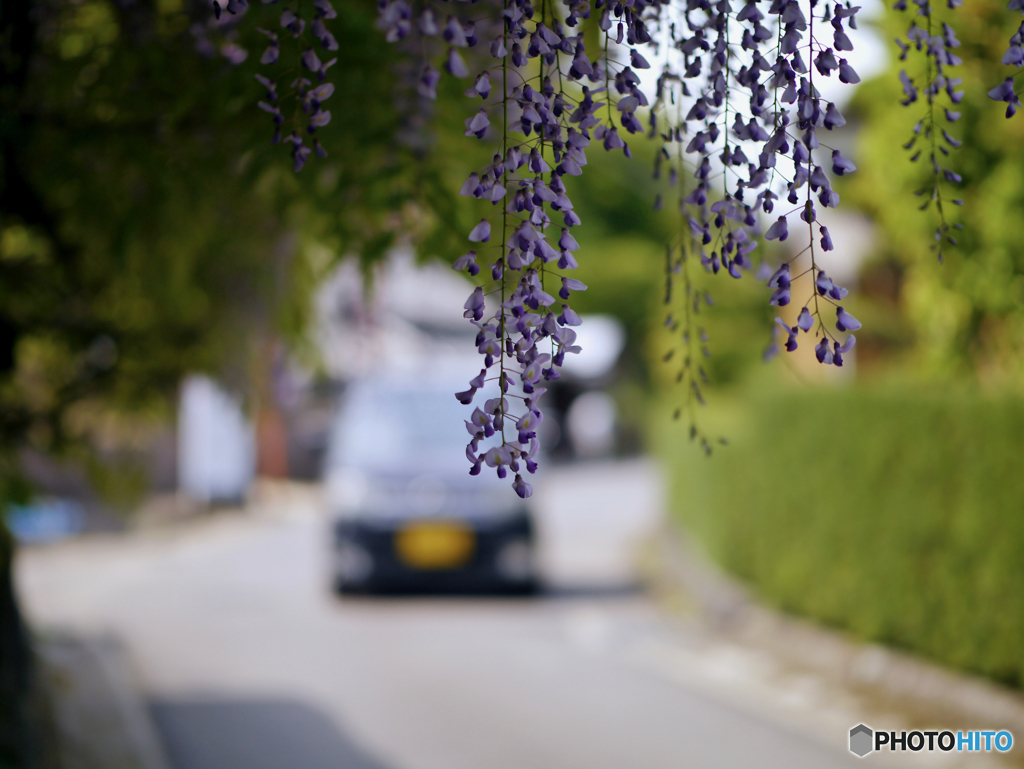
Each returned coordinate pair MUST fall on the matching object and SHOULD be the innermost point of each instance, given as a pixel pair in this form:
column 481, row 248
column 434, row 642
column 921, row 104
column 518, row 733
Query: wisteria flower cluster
column 1014, row 57
column 545, row 93
column 309, row 90
column 736, row 111
column 935, row 42
column 744, row 140
column 749, row 133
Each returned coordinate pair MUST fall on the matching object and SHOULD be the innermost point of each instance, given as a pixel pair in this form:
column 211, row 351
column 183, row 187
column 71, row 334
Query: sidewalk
column 901, row 691
column 100, row 719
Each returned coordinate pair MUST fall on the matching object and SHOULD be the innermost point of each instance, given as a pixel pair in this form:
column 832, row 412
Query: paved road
column 252, row 664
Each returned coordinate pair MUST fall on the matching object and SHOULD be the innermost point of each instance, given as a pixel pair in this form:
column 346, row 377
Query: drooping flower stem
column 504, row 231
column 809, row 205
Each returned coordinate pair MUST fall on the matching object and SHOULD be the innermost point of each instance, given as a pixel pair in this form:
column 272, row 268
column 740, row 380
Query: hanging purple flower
column 778, row 231
column 319, row 119
column 823, row 353
column 475, row 304
column 826, row 239
column 568, row 317
column 310, row 60
column 845, row 321
column 481, row 86
column 477, row 125
column 637, row 61
column 468, row 263
column 571, row 284
column 299, row 155
column 472, row 187
column 481, row 233
column 324, row 9
column 271, row 54
column 780, row 278
column 294, row 24
column 455, row 65
column 521, row 487
column 427, row 85
column 841, row 165
column 839, row 349
column 804, row 321
column 1005, row 92
column 847, row 74
column 823, row 283
column 791, row 343
column 499, row 457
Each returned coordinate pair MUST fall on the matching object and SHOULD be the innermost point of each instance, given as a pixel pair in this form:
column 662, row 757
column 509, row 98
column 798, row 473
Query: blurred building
column 216, row 444
column 410, row 319
column 406, row 318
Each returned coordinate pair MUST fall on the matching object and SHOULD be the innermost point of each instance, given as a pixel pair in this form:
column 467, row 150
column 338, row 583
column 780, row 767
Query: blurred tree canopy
column 147, row 226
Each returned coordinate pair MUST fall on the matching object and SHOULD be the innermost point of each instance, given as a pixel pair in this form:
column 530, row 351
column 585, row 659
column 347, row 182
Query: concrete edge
column 100, row 716
column 926, row 692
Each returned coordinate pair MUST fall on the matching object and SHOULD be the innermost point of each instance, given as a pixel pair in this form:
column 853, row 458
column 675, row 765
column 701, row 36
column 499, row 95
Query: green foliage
column 895, row 516
column 147, row 225
column 963, row 317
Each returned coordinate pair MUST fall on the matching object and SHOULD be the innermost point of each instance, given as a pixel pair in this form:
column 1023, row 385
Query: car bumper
column 367, row 558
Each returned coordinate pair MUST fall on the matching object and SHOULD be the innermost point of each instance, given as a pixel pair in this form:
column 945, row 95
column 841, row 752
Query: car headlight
column 515, row 561
column 352, row 562
column 347, row 491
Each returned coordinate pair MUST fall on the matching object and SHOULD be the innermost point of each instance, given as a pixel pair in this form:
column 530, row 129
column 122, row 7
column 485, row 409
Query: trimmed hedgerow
column 897, row 517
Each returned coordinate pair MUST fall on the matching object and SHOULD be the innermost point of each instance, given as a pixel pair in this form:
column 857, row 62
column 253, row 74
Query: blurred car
column 406, row 513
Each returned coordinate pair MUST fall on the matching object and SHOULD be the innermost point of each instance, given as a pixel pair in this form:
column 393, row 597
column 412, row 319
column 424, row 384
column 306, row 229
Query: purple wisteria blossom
column 743, row 131
column 545, row 123
column 742, row 128
column 845, row 321
column 743, row 147
column 934, row 42
column 1014, row 57
column 307, row 38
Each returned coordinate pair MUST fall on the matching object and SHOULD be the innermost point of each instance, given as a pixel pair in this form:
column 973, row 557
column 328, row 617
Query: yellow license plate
column 435, row 545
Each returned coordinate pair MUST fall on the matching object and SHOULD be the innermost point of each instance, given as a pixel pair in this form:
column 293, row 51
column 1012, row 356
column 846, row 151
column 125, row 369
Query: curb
column 100, row 719
column 924, row 692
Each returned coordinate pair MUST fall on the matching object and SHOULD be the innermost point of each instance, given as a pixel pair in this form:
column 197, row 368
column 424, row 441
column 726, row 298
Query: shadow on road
column 254, row 734
column 559, row 592
column 594, row 591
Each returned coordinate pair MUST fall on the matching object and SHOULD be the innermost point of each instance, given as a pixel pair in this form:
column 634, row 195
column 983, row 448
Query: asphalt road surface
column 251, row 663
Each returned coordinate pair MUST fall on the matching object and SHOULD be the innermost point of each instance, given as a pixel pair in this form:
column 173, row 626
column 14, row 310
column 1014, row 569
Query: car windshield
column 385, row 427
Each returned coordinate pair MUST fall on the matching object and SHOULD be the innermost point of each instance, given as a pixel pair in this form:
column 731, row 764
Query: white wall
column 216, row 443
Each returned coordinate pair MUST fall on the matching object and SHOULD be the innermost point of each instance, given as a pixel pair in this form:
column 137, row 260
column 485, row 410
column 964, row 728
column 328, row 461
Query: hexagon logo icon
column 861, row 740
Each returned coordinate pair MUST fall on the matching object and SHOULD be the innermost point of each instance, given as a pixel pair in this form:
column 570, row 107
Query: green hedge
column 899, row 518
